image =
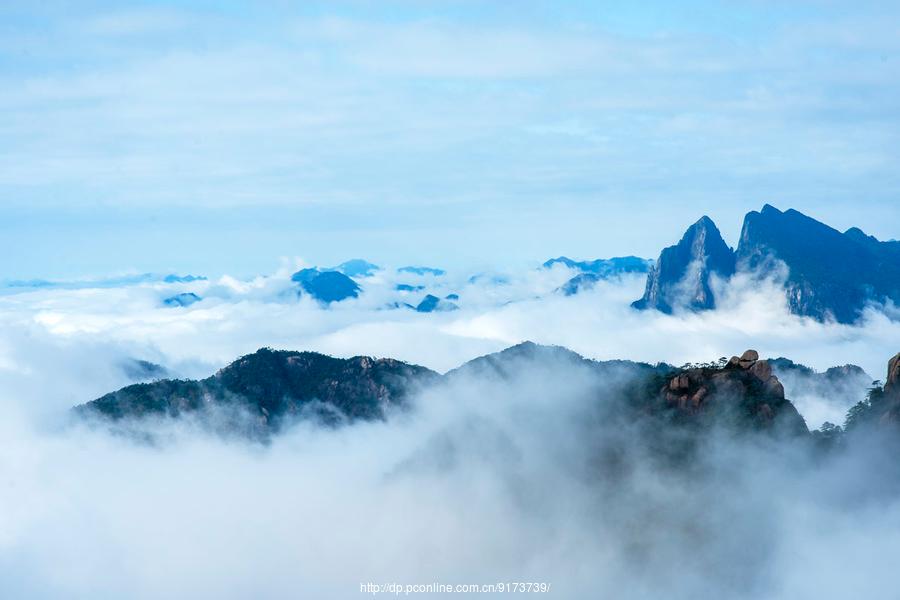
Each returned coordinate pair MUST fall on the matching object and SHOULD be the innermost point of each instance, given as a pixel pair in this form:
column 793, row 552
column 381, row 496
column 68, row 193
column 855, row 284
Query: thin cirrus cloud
column 134, row 22
column 606, row 114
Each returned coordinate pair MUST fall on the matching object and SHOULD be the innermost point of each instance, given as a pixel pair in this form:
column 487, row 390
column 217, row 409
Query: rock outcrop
column 881, row 408
column 890, row 396
column 892, row 383
column 742, row 393
column 681, row 276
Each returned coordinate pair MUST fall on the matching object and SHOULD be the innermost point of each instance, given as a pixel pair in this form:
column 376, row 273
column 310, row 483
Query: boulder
column 697, row 398
column 761, row 369
column 681, row 382
column 750, row 355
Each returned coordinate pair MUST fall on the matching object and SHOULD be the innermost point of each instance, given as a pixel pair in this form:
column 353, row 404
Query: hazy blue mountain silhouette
column 604, row 267
column 681, row 276
column 830, row 274
column 326, row 286
column 432, row 303
column 183, row 299
column 422, row 271
column 356, row 267
column 579, row 283
column 103, row 282
column 173, row 278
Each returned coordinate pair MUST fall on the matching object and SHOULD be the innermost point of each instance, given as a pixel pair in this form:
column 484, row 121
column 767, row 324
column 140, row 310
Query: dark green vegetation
column 265, row 392
column 269, row 388
column 882, row 404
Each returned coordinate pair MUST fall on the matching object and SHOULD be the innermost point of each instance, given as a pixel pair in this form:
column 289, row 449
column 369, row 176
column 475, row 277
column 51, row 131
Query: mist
column 482, row 480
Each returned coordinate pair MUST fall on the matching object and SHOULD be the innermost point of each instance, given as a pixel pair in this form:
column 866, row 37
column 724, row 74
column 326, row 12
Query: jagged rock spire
column 681, row 275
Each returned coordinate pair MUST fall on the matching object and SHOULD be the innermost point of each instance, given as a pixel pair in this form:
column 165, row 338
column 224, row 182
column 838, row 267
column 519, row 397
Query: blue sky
column 217, row 137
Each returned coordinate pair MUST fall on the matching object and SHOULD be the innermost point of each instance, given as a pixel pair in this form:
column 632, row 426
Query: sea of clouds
column 479, row 483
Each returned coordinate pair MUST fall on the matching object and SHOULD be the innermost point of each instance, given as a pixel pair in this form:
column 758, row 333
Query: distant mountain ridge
column 181, row 300
column 102, row 282
column 604, row 267
column 830, row 275
column 271, row 386
column 326, row 286
column 594, row 271
column 356, row 267
column 418, row 270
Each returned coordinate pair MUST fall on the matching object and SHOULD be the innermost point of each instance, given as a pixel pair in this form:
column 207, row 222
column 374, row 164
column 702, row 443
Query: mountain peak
column 326, row 286
column 830, row 274
column 356, row 267
column 705, row 222
column 270, row 388
column 681, row 276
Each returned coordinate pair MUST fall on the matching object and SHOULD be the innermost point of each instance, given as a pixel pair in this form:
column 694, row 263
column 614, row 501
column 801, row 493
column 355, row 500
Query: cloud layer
column 481, row 482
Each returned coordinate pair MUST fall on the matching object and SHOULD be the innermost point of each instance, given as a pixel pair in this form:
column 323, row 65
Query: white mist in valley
column 481, row 481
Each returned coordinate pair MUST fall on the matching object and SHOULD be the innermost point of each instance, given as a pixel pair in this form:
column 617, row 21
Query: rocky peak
column 743, row 391
column 882, row 406
column 830, row 274
column 892, row 383
column 681, row 276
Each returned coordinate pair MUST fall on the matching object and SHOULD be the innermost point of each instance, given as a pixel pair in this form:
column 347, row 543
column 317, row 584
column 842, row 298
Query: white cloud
column 480, row 481
column 134, row 22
